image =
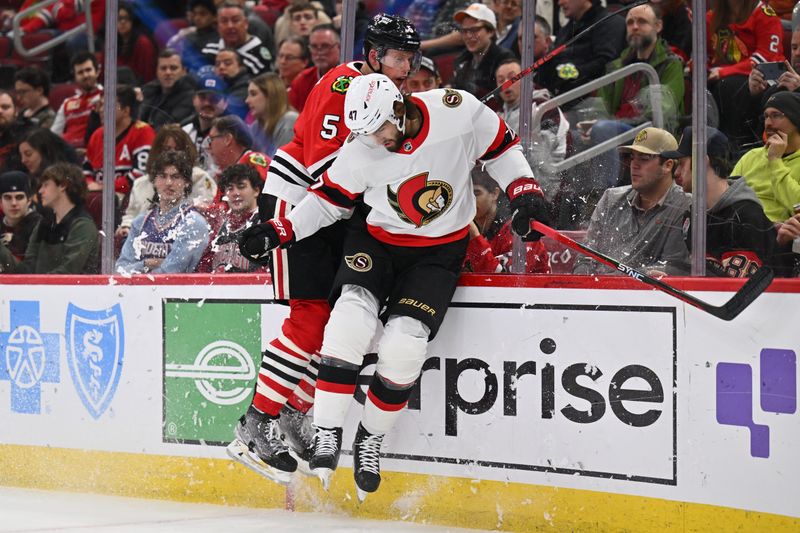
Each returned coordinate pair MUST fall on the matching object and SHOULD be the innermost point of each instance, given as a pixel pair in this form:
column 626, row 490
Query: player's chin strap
column 757, row 283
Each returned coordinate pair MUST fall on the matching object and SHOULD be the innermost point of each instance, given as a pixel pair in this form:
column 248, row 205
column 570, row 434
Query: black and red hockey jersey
column 132, row 152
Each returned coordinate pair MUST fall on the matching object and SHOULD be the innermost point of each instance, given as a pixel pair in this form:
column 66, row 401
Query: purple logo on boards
column 778, row 394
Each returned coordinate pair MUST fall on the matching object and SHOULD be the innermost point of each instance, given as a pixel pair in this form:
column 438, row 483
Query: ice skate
column 366, row 462
column 259, row 447
column 327, row 447
column 298, row 433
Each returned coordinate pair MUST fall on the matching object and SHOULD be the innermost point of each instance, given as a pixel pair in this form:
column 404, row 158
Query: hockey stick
column 728, row 311
column 553, row 53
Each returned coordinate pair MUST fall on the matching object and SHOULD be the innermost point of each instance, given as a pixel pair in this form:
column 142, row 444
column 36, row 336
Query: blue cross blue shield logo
column 95, row 350
column 28, row 357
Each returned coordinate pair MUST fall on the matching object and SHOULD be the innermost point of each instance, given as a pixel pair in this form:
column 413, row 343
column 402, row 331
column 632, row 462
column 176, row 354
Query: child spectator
column 491, row 239
column 241, row 186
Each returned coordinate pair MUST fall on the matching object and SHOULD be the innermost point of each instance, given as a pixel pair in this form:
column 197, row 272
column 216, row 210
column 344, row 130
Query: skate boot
column 327, row 447
column 298, row 432
column 366, row 462
column 258, row 446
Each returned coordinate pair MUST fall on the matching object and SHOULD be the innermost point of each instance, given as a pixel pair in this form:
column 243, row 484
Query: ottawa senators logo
column 419, row 201
column 451, row 98
column 341, row 84
column 359, row 262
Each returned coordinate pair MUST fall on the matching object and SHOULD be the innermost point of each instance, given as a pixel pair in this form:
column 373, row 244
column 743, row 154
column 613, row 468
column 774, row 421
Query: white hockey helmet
column 370, row 102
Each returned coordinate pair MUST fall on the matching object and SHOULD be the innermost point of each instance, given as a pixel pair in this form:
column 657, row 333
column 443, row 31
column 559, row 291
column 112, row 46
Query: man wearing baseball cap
column 641, row 224
column 209, row 104
column 424, row 79
column 475, row 67
column 773, row 171
column 739, row 236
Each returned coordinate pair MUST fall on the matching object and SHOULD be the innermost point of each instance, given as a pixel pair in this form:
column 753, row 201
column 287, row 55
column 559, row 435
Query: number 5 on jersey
column 329, row 127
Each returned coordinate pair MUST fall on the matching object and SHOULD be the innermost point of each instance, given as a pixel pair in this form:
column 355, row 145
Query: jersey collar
column 410, row 145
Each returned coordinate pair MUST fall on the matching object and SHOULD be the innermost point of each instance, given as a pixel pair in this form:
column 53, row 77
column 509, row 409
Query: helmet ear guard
column 371, row 101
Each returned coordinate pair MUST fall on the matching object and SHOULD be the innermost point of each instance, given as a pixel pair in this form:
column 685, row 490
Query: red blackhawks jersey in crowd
column 421, row 195
column 64, row 15
column 735, row 49
column 72, row 117
column 318, row 135
column 132, row 152
column 257, row 160
column 491, row 254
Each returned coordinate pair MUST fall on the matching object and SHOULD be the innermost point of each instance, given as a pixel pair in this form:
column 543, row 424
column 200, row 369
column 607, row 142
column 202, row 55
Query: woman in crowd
column 172, row 235
column 740, row 33
column 169, row 137
column 274, row 120
column 134, row 47
column 491, row 239
column 42, row 148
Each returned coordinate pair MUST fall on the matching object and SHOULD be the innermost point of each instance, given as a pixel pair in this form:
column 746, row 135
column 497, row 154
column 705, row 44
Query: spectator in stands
column 204, row 189
column 66, row 240
column 324, row 44
column 42, row 148
column 628, row 101
column 362, row 20
column 284, row 22
column 209, row 104
column 19, row 217
column 739, row 237
column 64, row 15
column 168, row 98
column 475, row 67
column 241, row 186
column 303, row 17
column 135, row 49
column 190, row 41
column 587, row 58
column 424, row 79
column 12, row 128
column 232, row 26
column 741, row 33
column 761, row 89
column 228, row 66
column 274, row 119
column 293, row 57
column 509, row 16
column 773, row 171
column 134, row 139
column 783, row 8
column 172, row 235
column 435, row 25
column 788, row 232
column 32, row 87
column 550, row 142
column 491, row 239
column 641, row 224
column 677, row 21
column 73, row 116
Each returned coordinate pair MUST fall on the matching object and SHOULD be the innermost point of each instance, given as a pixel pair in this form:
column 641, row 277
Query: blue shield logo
column 95, row 349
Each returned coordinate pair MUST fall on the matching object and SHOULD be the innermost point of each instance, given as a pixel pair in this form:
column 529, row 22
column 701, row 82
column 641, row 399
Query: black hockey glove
column 257, row 241
column 527, row 204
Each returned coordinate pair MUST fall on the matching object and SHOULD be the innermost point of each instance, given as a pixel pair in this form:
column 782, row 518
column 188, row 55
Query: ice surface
column 27, row 510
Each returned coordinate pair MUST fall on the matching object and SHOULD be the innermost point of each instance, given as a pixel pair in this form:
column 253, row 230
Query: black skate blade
column 239, row 452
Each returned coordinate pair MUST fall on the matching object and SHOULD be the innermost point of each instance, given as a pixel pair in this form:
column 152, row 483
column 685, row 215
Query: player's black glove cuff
column 257, row 241
column 527, row 205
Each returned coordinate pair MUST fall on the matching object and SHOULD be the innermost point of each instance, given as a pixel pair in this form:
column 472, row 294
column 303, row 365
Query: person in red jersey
column 72, row 117
column 303, row 275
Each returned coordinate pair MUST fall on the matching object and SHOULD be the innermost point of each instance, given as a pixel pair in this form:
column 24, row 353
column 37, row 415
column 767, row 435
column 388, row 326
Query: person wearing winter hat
column 773, row 171
column 739, row 237
column 19, row 218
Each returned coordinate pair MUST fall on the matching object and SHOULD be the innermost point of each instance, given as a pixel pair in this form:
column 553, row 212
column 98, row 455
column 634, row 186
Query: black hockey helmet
column 392, row 31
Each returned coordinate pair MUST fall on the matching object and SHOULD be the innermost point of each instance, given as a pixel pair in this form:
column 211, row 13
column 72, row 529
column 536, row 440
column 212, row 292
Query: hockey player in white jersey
column 408, row 161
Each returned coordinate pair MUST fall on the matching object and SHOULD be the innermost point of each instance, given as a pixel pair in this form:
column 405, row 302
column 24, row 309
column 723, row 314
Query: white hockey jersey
column 422, row 194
